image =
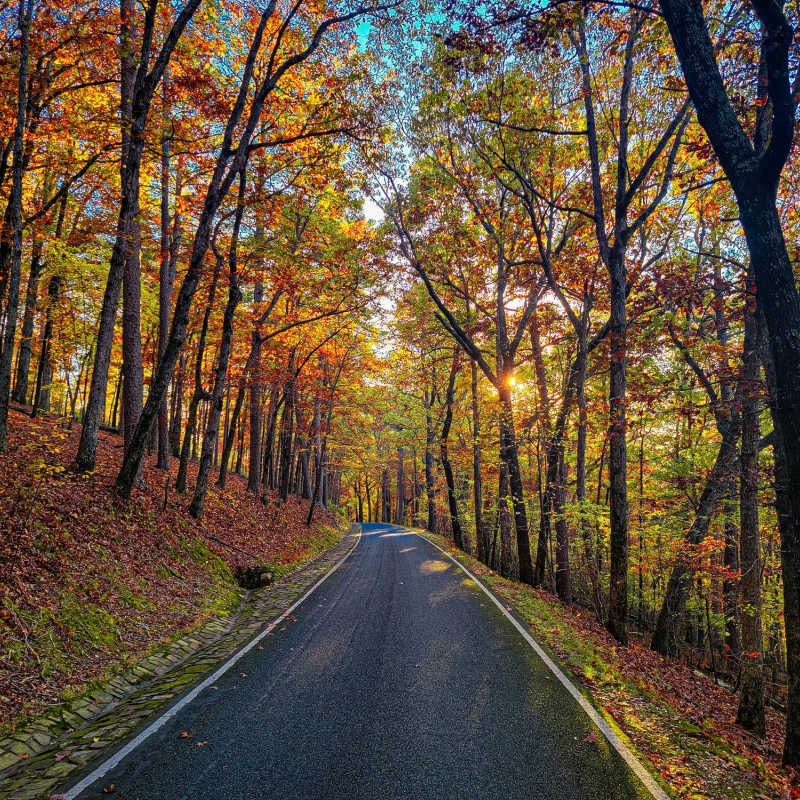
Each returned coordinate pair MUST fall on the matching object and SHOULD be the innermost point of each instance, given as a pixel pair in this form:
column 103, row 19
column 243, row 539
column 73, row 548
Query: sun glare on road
column 431, row 566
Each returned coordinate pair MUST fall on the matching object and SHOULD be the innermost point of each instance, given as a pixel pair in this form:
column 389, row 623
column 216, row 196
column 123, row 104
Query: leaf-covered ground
column 675, row 718
column 88, row 585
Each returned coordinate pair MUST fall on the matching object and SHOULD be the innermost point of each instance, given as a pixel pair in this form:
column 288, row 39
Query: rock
column 252, row 577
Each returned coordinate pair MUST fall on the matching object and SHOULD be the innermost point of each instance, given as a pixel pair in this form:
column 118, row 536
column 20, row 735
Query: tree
column 753, row 169
column 137, row 90
column 236, row 147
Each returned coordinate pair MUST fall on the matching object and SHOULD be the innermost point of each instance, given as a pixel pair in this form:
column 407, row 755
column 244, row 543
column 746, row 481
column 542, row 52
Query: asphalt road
column 397, row 678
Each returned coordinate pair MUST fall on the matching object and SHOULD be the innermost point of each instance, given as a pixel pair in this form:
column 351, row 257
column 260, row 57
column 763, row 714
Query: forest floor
column 88, row 585
column 679, row 721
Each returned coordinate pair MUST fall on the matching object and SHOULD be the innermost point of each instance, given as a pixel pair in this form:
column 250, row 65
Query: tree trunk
column 386, row 497
column 145, row 82
column 20, row 393
column 177, row 408
column 504, row 522
column 401, row 487
column 555, row 456
column 198, row 393
column 455, row 522
column 730, row 584
column 15, row 204
column 230, row 434
column 590, row 560
column 617, row 452
column 133, row 381
column 43, row 372
column 481, row 534
column 221, row 373
column 268, row 467
column 666, row 637
column 430, row 485
column 563, row 585
column 751, row 685
column 285, row 438
column 166, row 282
column 509, row 456
column 253, row 476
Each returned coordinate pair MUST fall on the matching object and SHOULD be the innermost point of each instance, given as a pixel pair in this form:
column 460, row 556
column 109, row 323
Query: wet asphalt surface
column 397, row 678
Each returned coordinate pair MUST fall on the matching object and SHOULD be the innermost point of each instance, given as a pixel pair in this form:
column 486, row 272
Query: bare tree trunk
column 590, row 559
column 240, row 450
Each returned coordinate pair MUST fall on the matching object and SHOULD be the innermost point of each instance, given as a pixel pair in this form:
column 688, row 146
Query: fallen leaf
column 592, row 737
column 110, row 789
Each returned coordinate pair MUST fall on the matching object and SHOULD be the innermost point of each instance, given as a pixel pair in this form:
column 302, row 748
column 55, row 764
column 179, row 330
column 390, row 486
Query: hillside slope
column 88, row 585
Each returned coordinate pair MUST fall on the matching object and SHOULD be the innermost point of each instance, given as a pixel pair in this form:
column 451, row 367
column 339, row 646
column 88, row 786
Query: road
column 398, row 678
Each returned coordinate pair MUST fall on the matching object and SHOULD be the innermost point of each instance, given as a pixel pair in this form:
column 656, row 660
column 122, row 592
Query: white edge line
column 613, row 739
column 119, row 755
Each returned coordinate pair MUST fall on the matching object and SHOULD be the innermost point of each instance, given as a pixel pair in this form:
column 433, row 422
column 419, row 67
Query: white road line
column 630, row 759
column 115, row 759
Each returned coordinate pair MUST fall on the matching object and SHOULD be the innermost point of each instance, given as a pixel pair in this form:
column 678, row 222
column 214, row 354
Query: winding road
column 397, row 678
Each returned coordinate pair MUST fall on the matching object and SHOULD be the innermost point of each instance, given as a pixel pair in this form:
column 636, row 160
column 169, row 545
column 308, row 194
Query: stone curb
column 65, row 742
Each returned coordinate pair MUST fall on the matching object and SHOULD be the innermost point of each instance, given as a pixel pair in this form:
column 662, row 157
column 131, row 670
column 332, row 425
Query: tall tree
column 753, row 167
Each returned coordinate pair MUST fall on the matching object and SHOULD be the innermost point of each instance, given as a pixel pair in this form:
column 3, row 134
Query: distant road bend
column 397, row 678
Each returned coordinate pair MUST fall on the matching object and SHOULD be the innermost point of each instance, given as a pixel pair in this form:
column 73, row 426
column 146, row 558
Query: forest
column 519, row 274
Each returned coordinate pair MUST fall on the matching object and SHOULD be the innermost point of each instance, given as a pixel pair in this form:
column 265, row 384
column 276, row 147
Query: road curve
column 397, row 678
